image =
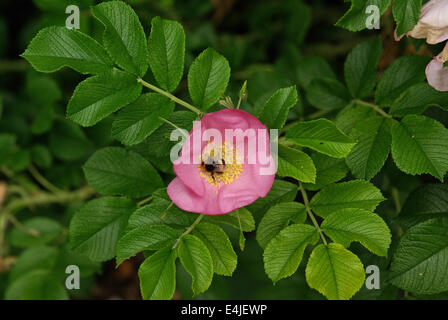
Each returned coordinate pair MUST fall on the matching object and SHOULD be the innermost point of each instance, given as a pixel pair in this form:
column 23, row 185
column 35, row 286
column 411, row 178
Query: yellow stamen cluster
column 231, row 170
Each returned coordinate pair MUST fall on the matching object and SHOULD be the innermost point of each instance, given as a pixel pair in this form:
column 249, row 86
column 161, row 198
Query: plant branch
column 378, row 109
column 310, row 213
column 170, row 96
column 41, row 179
column 190, row 228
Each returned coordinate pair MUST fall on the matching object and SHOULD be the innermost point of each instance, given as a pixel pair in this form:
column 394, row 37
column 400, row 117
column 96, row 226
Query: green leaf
column 97, row 97
column 356, row 194
column 372, row 149
column 328, row 169
column 417, row 99
column 158, row 275
column 276, row 109
column 138, row 120
column 167, row 52
column 311, row 68
column 242, row 241
column 406, row 14
column 245, row 218
column 36, row 285
column 420, row 145
column 360, row 67
column 401, row 75
column 114, row 170
column 34, row 258
column 44, row 230
column 7, row 145
column 426, row 202
column 420, row 262
column 334, row 271
column 196, row 259
column 327, row 94
column 56, row 47
column 123, row 38
column 349, row 117
column 67, row 141
column 43, row 121
column 149, row 237
column 348, row 225
column 97, row 225
column 283, row 254
column 281, row 191
column 42, row 89
column 208, row 78
column 355, row 18
column 321, row 135
column 277, row 218
column 161, row 210
column 221, row 250
column 296, row 164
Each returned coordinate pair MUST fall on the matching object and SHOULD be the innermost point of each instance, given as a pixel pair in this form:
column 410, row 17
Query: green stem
column 166, row 211
column 175, row 126
column 310, row 213
column 190, row 228
column 170, row 96
column 373, row 106
column 396, row 198
column 144, row 201
column 46, row 198
column 43, row 182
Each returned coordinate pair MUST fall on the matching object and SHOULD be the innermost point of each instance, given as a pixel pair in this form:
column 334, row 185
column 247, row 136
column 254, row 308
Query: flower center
column 220, row 164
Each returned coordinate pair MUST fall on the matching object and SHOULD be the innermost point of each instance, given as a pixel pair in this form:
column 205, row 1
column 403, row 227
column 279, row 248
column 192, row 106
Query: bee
column 214, row 166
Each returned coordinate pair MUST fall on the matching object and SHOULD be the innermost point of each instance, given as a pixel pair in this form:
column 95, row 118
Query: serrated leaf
column 208, row 78
column 161, row 210
column 166, row 52
column 426, row 202
column 149, row 237
column 196, row 259
column 372, row 149
column 276, row 109
column 402, row 74
column 321, row 135
column 158, row 275
column 360, row 67
column 221, row 250
column 311, row 68
column 296, row 164
column 420, row 262
column 123, row 38
column 284, row 252
column 420, row 145
column 348, row 225
column 355, row 18
column 327, row 94
column 97, row 97
column 141, row 118
column 334, row 271
column 348, row 117
column 97, row 225
column 277, row 218
column 356, row 194
column 328, row 169
column 417, row 99
column 406, row 14
column 56, row 47
column 115, row 170
column 234, row 218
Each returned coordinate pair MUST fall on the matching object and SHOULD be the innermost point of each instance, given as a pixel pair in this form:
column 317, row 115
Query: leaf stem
column 396, row 198
column 41, row 179
column 190, row 228
column 310, row 213
column 378, row 109
column 146, row 200
column 175, row 126
column 170, row 96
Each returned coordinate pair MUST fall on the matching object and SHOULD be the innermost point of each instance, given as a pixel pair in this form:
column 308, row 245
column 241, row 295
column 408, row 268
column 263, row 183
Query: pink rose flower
column 433, row 23
column 225, row 164
column 436, row 74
